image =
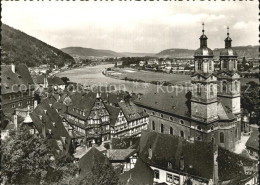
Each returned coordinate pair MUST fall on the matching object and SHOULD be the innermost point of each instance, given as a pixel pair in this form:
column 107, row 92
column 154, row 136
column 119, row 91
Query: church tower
column 204, row 83
column 229, row 79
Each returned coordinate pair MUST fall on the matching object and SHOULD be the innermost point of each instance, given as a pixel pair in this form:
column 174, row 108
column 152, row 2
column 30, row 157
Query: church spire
column 228, row 40
column 203, row 38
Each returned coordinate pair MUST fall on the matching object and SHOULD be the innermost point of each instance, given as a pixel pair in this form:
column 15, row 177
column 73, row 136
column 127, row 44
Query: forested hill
column 18, row 47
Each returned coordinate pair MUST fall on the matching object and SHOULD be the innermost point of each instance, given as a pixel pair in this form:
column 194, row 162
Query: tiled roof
column 141, row 174
column 113, row 111
column 51, row 80
column 120, row 154
column 90, row 159
column 131, row 111
column 170, row 102
column 253, row 142
column 198, row 156
column 124, row 143
column 52, row 121
column 10, row 80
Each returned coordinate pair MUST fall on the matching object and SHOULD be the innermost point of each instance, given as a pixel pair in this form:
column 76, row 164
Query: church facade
column 210, row 111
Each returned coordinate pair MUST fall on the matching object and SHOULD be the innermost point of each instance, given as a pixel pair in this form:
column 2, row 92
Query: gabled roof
column 170, row 102
column 90, row 159
column 113, row 111
column 253, row 141
column 120, row 154
column 131, row 111
column 11, row 80
column 198, row 156
column 50, row 117
column 140, row 174
column 51, row 80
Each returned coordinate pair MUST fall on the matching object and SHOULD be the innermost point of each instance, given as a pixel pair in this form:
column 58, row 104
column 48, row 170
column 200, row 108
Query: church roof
column 205, row 51
column 176, row 103
column 252, row 142
column 228, row 52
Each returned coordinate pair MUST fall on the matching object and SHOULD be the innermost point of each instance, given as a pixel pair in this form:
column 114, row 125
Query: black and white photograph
column 137, row 92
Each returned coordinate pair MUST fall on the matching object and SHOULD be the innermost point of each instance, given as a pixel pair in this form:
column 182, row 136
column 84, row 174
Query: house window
column 153, row 125
column 198, row 127
column 19, row 104
column 156, row 174
column 182, row 133
column 221, row 137
column 18, row 95
column 171, row 130
column 152, row 113
column 13, row 106
column 169, row 165
column 162, row 128
column 169, row 177
column 13, row 96
column 176, row 180
column 225, row 63
column 10, row 97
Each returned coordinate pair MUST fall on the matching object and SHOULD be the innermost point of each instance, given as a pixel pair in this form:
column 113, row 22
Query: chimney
column 35, row 104
column 215, row 166
column 13, row 68
column 43, row 129
column 45, row 111
column 50, row 105
column 15, row 121
column 45, row 81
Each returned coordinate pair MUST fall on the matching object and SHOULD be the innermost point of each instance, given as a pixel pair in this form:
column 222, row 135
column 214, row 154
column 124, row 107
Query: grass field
column 150, row 76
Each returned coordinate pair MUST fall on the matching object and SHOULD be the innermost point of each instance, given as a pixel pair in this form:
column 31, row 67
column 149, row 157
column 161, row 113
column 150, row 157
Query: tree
column 250, row 100
column 101, row 174
column 28, row 159
column 65, row 80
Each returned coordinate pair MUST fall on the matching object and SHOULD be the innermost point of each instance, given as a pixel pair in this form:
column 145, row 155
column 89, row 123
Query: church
column 210, row 110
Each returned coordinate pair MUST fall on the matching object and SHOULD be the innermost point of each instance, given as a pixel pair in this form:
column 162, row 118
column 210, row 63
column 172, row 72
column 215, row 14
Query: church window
column 213, row 140
column 198, row 127
column 212, row 127
column 235, row 64
column 198, row 89
column 162, row 128
column 171, row 130
column 211, row 90
column 225, row 63
column 210, row 65
column 199, row 65
column 182, row 134
column 236, row 86
column 221, row 137
column 153, row 125
column 181, row 121
column 144, row 110
column 224, row 86
column 171, row 119
column 161, row 115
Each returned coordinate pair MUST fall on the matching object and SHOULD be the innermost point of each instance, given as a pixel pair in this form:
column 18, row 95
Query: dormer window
column 50, row 131
column 169, row 165
column 19, row 76
column 53, row 124
column 8, row 78
column 150, row 154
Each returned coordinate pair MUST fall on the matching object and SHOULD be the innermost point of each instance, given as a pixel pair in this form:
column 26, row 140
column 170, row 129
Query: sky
column 132, row 26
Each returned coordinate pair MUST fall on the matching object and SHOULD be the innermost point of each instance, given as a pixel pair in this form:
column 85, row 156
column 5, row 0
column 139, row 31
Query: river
column 92, row 76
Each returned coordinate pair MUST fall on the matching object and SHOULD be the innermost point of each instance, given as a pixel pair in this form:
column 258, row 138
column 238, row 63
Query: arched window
column 236, row 86
column 199, row 65
column 198, row 89
column 161, row 115
column 162, row 128
column 153, row 125
column 224, row 86
column 225, row 63
column 221, row 137
column 181, row 121
column 198, row 127
column 171, row 130
column 182, row 134
column 213, row 140
column 210, row 65
column 211, row 89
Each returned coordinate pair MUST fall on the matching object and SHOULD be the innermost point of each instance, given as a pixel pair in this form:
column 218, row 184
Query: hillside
column 18, row 47
column 128, row 54
column 242, row 51
column 88, row 52
column 176, row 53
